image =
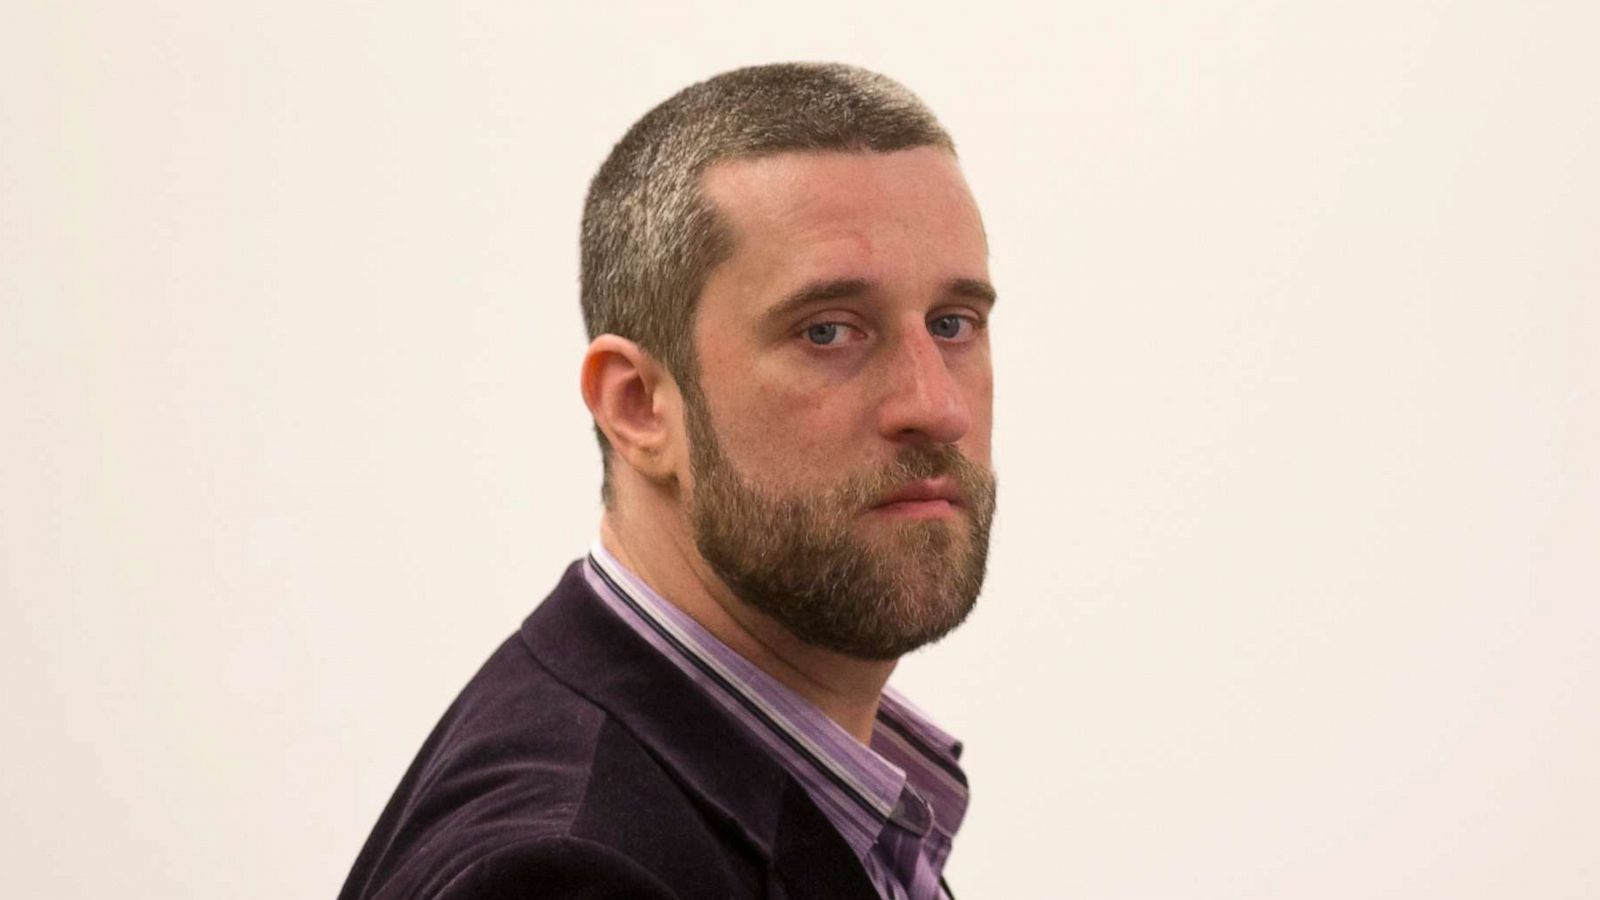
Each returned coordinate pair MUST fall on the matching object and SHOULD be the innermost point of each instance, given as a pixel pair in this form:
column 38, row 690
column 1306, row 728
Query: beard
column 799, row 559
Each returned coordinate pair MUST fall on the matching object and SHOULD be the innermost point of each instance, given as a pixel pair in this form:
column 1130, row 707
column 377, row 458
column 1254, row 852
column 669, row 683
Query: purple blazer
column 579, row 763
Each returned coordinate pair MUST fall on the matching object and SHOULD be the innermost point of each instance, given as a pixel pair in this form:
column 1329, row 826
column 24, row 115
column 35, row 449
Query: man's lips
column 931, row 496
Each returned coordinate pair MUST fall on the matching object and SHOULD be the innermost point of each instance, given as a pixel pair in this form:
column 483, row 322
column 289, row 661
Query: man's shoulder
column 554, row 866
column 529, row 783
column 505, row 766
column 515, row 815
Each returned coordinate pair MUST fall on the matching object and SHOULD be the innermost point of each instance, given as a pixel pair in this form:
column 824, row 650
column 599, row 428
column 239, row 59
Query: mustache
column 919, row 463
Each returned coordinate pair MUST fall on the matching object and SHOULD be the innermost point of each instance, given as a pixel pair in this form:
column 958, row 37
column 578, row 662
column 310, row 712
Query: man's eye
column 826, row 334
column 952, row 328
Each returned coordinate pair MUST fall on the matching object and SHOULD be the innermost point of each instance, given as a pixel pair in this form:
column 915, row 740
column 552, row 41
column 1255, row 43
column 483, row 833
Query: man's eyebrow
column 973, row 289
column 847, row 288
column 818, row 292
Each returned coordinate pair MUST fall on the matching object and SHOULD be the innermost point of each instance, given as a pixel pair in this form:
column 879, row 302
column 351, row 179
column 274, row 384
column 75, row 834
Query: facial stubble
column 802, row 559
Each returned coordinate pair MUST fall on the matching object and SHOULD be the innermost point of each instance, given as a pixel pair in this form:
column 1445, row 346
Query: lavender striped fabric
column 897, row 803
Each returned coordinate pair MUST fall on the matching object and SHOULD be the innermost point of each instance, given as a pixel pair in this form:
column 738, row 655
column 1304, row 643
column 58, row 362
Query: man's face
column 839, row 427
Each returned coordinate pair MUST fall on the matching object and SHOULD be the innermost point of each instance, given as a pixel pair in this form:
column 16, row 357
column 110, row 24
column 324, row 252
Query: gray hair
column 650, row 238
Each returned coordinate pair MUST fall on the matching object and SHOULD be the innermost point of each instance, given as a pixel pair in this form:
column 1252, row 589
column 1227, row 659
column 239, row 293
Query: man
column 785, row 282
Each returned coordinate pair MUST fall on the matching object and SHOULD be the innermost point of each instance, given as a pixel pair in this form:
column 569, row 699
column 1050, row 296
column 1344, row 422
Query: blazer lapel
column 709, row 752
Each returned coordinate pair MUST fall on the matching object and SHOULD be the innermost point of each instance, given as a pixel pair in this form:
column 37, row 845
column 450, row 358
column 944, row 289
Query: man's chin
column 918, row 551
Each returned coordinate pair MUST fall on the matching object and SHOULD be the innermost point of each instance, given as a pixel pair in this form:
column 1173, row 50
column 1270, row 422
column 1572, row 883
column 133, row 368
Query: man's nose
column 922, row 399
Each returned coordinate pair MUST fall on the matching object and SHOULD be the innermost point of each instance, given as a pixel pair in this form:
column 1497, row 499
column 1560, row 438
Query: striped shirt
column 897, row 803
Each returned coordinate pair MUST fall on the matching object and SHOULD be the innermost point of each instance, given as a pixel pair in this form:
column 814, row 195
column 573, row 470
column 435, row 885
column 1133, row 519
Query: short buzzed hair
column 650, row 238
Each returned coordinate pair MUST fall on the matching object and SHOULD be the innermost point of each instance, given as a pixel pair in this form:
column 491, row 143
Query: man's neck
column 846, row 689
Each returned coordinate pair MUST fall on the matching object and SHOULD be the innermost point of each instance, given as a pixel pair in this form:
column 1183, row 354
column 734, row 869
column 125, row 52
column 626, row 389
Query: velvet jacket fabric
column 580, row 763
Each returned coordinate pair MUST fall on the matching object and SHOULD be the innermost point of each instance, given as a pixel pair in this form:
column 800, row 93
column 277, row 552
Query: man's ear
column 635, row 403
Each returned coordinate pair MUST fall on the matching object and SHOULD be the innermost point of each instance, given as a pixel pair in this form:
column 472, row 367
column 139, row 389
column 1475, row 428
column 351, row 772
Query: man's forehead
column 792, row 185
column 848, row 227
column 835, row 214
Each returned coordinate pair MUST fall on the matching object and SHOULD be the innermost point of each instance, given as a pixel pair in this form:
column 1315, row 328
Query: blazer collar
column 587, row 647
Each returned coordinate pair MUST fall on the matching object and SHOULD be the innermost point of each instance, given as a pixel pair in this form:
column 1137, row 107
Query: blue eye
column 824, row 334
column 950, row 328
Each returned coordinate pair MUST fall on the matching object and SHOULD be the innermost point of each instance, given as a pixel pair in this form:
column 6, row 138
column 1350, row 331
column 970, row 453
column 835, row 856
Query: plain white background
column 1298, row 421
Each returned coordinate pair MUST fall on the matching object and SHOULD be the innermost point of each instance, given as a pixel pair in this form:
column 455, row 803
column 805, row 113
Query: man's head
column 792, row 268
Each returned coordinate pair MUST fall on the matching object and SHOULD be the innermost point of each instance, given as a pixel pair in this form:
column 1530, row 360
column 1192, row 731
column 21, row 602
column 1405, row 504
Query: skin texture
column 892, row 363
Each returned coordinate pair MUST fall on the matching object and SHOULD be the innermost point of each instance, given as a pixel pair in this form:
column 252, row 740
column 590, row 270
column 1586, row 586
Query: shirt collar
column 909, row 776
